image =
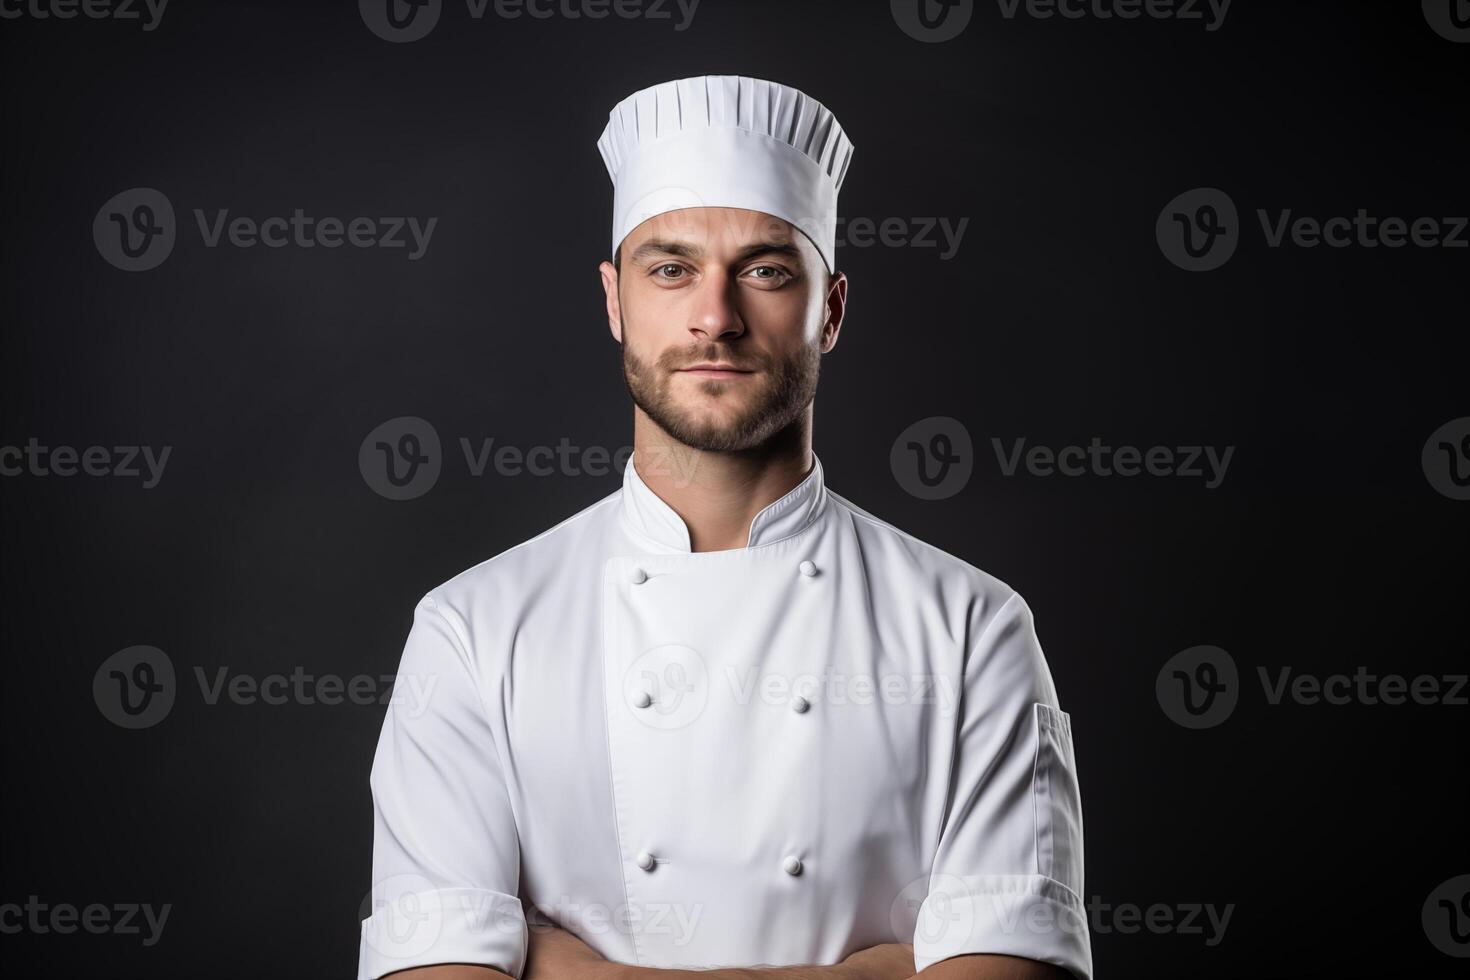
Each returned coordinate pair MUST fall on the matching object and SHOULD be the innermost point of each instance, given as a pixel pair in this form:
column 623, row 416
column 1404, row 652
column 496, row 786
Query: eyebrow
column 658, row 246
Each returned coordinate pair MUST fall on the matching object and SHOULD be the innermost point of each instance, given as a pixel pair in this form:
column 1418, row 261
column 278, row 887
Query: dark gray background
column 264, row 549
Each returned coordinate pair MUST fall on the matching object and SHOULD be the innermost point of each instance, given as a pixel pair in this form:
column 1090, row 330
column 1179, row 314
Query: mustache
column 677, row 358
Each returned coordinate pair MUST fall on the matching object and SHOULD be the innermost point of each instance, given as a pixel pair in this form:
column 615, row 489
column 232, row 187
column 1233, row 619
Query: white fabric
column 726, row 141
column 614, row 734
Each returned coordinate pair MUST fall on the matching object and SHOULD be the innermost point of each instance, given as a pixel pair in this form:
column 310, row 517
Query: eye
column 669, row 270
column 772, row 274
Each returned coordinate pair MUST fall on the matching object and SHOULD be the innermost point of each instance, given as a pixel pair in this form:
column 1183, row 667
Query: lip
column 714, row 371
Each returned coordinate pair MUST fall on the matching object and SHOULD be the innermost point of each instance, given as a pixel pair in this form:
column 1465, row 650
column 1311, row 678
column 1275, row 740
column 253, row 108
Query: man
column 723, row 720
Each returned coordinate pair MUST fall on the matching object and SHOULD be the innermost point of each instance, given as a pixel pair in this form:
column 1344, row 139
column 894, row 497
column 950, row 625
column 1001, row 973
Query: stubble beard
column 786, row 387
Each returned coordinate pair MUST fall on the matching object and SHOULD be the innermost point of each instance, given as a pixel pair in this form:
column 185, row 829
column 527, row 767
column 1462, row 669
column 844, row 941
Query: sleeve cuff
column 448, row 925
column 1030, row 916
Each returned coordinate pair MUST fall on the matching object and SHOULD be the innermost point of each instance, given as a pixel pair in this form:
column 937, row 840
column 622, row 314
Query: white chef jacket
column 834, row 737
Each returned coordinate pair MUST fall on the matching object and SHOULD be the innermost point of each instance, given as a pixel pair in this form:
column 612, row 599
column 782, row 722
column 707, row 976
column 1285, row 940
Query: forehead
column 718, row 230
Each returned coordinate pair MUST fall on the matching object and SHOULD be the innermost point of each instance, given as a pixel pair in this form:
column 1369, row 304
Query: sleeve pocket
column 1058, row 800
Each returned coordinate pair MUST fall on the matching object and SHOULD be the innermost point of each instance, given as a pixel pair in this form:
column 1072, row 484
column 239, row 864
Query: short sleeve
column 446, row 858
column 1007, row 874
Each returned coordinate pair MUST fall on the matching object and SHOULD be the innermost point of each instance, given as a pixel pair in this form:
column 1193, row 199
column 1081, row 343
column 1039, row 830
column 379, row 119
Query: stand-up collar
column 656, row 525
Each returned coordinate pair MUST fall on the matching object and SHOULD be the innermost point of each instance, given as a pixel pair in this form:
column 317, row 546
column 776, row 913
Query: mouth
column 708, row 370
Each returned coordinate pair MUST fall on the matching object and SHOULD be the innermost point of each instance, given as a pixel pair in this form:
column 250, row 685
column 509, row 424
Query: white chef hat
column 726, row 141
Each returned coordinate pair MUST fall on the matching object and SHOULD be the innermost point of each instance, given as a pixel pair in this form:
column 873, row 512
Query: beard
column 772, row 399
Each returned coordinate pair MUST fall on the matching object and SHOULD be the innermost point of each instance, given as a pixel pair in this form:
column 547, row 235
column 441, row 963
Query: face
column 723, row 315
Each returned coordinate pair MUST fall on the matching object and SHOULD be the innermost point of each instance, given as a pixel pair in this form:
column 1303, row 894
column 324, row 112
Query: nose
column 715, row 315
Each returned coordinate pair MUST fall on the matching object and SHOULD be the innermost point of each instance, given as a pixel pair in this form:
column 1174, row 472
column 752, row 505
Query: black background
column 263, row 548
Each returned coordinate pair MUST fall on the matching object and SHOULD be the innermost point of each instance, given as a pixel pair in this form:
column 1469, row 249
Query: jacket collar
column 657, row 526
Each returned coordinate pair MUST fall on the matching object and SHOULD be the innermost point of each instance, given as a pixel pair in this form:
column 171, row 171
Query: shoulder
column 523, row 568
column 889, row 550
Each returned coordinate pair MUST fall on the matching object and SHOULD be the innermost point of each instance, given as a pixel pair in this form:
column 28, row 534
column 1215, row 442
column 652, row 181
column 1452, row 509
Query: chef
column 724, row 720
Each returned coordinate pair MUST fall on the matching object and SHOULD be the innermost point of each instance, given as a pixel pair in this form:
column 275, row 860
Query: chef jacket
column 834, row 737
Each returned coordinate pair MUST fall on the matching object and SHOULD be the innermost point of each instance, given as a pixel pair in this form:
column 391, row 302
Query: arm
column 1006, row 879
column 980, row 966
column 559, row 955
column 446, row 855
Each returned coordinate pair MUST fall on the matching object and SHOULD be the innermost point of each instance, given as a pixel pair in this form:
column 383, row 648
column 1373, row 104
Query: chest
column 757, row 742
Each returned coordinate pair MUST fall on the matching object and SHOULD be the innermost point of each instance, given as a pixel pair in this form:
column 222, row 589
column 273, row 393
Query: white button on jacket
column 835, row 737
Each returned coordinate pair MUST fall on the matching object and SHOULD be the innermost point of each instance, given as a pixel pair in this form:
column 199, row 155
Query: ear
column 614, row 308
column 836, row 307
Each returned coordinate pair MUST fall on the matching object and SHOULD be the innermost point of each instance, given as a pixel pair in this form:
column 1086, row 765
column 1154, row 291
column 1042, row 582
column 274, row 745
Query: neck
column 718, row 494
